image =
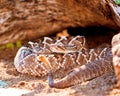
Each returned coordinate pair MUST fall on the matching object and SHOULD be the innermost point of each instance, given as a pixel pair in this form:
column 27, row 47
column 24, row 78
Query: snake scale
column 50, row 55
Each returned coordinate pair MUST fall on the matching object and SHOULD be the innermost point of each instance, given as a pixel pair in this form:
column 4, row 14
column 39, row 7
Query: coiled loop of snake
column 51, row 55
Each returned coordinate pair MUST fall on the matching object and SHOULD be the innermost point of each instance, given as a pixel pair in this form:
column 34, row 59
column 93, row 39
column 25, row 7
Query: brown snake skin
column 50, row 55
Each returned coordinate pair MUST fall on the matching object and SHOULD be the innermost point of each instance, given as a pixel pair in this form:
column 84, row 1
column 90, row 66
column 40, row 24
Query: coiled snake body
column 51, row 55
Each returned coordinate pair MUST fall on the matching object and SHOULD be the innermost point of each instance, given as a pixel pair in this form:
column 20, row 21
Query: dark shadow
column 91, row 31
column 95, row 35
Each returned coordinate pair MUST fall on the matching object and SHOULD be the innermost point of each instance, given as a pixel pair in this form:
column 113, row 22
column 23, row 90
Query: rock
column 26, row 20
column 3, row 84
column 116, row 56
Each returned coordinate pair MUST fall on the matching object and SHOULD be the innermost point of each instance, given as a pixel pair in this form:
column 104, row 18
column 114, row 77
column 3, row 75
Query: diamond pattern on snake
column 50, row 55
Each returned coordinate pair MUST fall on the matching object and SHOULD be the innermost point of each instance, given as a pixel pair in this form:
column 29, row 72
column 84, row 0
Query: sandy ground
column 25, row 85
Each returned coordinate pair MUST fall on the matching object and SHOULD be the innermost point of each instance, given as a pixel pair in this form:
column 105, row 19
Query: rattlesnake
column 50, row 55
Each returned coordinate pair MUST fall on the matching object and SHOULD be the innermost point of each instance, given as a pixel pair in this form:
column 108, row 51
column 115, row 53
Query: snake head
column 21, row 54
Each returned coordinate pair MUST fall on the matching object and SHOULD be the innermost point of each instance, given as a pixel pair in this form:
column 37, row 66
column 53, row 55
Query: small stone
column 3, row 84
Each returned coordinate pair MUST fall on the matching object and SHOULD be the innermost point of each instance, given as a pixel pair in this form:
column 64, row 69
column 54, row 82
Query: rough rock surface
column 31, row 19
column 116, row 56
